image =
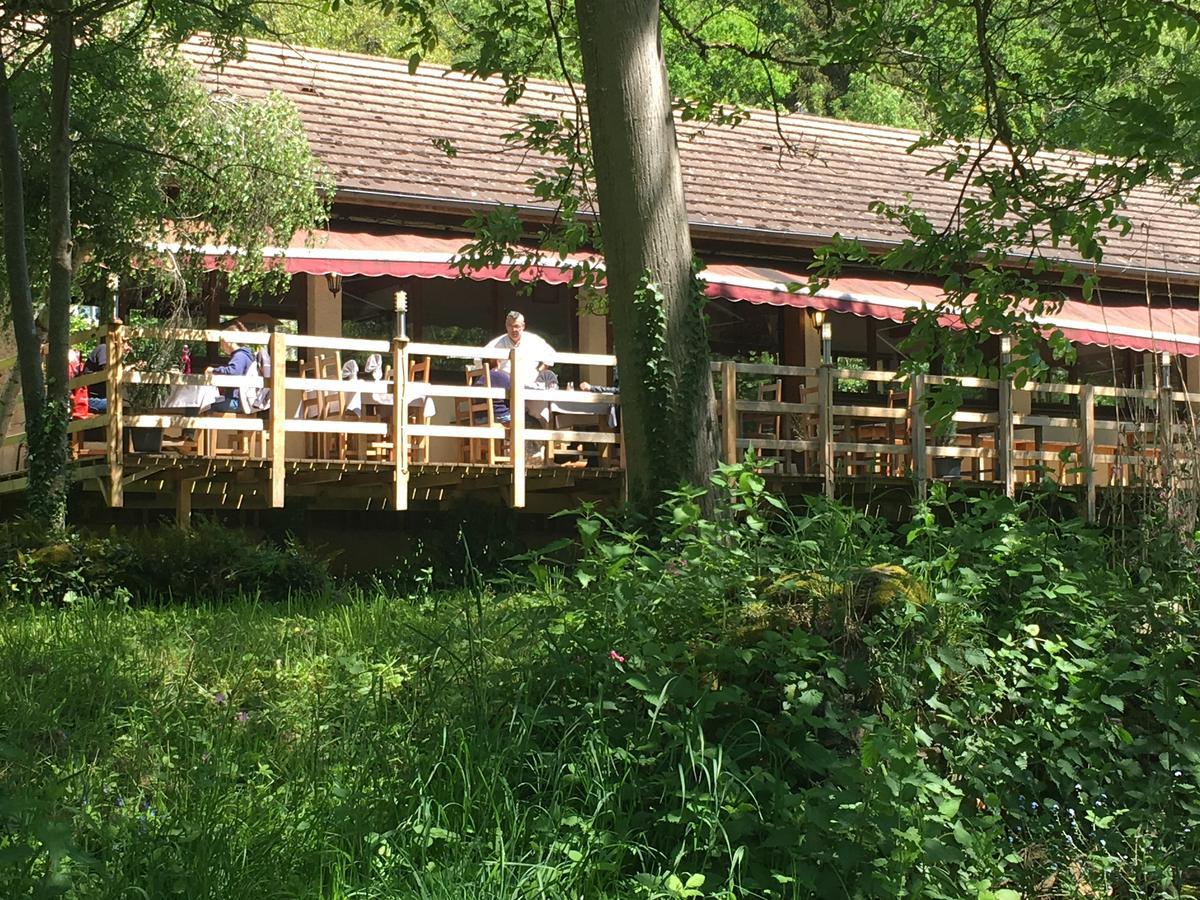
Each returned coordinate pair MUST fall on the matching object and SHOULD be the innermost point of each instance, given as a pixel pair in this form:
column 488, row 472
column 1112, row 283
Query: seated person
column 240, row 361
column 97, row 361
column 79, row 395
column 536, row 353
column 500, row 411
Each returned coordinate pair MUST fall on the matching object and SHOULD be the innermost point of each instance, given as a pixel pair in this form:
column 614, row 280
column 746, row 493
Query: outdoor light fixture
column 1166, row 358
column 334, row 280
column 1006, row 345
column 827, row 331
column 827, row 343
column 819, row 317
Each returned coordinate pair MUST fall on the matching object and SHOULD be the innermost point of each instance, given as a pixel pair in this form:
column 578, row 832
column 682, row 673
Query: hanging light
column 819, row 317
column 334, row 280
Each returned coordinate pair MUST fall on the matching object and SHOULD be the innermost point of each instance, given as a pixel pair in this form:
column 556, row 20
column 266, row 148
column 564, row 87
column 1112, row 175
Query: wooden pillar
column 183, row 504
column 399, row 429
column 729, row 411
column 825, row 426
column 322, row 307
column 1004, row 429
column 1087, row 448
column 792, row 350
column 115, row 341
column 916, row 419
column 516, row 406
column 1166, row 421
column 277, row 416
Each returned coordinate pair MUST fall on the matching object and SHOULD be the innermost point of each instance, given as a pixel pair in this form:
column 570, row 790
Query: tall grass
column 743, row 708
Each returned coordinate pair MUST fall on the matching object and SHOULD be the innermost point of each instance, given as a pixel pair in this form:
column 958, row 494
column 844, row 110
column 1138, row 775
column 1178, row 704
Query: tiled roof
column 379, row 129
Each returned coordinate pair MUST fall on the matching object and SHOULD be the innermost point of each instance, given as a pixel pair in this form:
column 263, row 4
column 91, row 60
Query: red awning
column 405, row 254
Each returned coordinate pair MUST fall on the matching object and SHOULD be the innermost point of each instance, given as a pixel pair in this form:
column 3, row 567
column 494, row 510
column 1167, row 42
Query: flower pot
column 947, row 467
column 146, row 440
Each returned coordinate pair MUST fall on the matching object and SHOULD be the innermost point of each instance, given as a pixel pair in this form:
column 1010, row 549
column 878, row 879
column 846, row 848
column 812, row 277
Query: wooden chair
column 764, row 424
column 237, row 442
column 419, row 371
column 477, row 411
column 310, row 408
column 331, row 406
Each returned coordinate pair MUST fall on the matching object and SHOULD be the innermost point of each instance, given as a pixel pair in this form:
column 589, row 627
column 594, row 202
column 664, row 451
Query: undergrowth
column 984, row 703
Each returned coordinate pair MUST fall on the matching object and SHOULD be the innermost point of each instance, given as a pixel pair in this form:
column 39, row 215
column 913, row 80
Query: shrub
column 210, row 563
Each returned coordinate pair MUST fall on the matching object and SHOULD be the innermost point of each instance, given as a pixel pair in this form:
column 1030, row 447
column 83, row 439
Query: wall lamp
column 334, row 280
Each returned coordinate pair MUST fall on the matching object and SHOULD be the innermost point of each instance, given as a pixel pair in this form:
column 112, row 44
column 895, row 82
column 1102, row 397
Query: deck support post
column 916, row 419
column 399, row 429
column 183, row 502
column 1166, row 423
column 276, row 417
column 1087, row 448
column 729, row 411
column 825, row 425
column 1005, row 461
column 516, row 406
column 115, row 438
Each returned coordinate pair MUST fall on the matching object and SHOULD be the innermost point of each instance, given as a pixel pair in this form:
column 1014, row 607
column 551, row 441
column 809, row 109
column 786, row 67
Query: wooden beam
column 115, row 436
column 516, row 406
column 1087, row 448
column 825, row 426
column 920, row 460
column 276, row 416
column 183, row 504
column 729, row 412
column 399, row 434
column 1006, row 469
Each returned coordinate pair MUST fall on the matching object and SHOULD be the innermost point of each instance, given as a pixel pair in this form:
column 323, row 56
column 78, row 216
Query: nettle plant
column 981, row 703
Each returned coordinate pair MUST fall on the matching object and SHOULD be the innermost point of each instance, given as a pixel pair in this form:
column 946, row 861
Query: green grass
column 986, row 704
column 322, row 750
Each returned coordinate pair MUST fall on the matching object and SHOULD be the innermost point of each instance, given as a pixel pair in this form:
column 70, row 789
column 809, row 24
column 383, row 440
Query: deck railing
column 285, row 414
column 1100, row 435
column 1103, row 436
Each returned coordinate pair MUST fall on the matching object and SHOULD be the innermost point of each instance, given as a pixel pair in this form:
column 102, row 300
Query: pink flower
column 615, row 656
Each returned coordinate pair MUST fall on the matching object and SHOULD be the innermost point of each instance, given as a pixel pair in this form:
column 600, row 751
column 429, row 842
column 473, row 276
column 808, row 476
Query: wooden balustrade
column 820, row 433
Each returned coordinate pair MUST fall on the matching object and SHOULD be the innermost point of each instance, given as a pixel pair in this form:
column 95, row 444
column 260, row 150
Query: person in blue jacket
column 240, row 361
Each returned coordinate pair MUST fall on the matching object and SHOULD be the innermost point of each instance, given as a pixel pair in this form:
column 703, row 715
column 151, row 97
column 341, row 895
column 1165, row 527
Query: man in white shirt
column 536, row 354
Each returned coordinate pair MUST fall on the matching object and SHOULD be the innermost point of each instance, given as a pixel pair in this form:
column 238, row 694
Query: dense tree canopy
column 108, row 146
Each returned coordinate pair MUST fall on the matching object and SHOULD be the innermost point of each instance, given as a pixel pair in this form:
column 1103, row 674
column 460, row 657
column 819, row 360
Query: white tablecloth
column 192, row 396
column 418, row 400
column 542, row 409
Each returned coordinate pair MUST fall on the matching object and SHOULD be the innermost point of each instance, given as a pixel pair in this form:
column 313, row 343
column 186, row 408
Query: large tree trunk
column 48, row 450
column 653, row 296
column 16, row 260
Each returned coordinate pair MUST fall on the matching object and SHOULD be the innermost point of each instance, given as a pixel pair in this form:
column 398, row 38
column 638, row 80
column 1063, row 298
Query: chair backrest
column 771, row 392
column 479, row 405
column 329, row 367
column 256, row 399
column 419, row 369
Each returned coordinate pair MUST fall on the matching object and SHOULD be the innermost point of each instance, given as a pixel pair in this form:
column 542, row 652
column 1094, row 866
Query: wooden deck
column 854, row 430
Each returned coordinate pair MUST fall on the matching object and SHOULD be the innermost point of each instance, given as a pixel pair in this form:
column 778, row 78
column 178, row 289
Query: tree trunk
column 48, row 449
column 654, row 298
column 16, row 260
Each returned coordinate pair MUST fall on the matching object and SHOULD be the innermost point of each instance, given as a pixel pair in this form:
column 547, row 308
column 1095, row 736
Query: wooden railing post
column 277, row 415
column 1087, row 447
column 399, row 429
column 516, row 407
column 1166, row 421
column 825, row 425
column 729, row 411
column 1005, row 463
column 115, row 341
column 916, row 418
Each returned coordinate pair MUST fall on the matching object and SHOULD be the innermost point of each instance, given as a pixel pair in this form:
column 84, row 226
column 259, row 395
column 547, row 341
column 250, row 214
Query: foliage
column 985, row 703
column 210, row 563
